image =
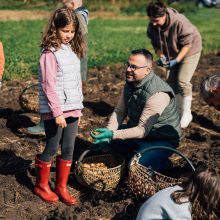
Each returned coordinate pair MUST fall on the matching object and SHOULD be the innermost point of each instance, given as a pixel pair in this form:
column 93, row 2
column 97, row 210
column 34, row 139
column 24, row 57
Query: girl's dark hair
column 146, row 53
column 202, row 189
column 59, row 19
column 156, row 9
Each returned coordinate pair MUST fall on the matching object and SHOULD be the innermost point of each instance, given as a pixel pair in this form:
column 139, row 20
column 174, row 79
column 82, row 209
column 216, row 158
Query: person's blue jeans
column 157, row 159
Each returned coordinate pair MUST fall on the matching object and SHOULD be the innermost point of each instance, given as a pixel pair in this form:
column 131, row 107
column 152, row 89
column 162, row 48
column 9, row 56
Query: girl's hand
column 60, row 121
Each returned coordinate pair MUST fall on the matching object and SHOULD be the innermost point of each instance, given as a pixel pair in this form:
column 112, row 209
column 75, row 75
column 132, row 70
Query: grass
column 110, row 41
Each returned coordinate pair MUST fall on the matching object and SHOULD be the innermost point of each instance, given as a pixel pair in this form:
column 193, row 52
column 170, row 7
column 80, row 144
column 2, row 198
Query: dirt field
column 6, row 15
column 17, row 149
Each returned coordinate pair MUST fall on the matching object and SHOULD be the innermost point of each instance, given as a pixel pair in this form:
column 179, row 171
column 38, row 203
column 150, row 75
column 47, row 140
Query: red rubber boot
column 62, row 174
column 42, row 188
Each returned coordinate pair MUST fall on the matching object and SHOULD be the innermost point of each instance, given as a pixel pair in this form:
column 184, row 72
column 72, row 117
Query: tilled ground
column 201, row 142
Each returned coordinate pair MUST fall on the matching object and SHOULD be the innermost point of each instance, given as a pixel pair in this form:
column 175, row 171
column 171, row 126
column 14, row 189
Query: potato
column 94, row 166
column 96, row 133
column 85, row 165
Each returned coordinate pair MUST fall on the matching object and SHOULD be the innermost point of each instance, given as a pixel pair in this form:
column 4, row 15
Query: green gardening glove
column 101, row 133
column 101, row 144
column 102, row 138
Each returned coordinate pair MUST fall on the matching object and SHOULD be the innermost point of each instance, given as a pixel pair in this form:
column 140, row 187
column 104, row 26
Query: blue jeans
column 157, row 159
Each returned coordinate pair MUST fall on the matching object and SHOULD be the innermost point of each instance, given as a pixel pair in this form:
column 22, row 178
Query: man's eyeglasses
column 133, row 67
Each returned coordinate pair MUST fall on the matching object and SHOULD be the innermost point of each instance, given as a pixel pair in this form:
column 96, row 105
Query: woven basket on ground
column 145, row 182
column 102, row 172
column 28, row 98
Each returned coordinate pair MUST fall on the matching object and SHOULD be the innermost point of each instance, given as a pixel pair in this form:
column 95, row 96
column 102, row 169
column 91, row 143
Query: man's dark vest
column 167, row 127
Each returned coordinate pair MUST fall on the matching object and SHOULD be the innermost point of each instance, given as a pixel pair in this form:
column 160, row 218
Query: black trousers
column 55, row 136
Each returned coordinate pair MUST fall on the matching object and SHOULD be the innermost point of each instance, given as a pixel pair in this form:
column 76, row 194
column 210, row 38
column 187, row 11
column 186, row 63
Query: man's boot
column 186, row 111
column 62, row 174
column 38, row 129
column 42, row 188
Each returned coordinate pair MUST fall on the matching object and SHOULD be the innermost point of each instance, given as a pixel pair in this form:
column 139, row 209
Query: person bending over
column 178, row 44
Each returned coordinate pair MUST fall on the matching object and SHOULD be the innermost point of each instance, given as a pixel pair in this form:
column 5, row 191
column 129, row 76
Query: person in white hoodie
column 197, row 198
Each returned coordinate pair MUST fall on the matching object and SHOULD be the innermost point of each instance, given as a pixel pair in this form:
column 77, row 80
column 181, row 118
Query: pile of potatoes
column 94, row 166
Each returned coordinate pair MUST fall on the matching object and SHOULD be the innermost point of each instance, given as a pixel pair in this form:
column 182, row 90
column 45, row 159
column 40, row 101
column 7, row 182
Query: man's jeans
column 157, row 159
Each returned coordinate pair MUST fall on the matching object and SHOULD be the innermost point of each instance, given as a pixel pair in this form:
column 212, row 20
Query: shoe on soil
column 42, row 188
column 37, row 130
column 62, row 175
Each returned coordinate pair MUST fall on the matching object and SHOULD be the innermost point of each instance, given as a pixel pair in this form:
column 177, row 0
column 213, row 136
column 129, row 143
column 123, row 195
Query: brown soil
column 17, row 149
column 6, row 15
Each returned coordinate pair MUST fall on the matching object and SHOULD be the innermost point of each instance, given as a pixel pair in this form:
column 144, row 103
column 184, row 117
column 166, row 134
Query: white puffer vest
column 68, row 83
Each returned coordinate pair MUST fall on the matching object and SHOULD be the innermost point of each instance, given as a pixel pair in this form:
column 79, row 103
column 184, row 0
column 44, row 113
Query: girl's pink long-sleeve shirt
column 48, row 68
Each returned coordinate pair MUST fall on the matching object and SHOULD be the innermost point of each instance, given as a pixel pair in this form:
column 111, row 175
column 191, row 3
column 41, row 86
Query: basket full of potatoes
column 100, row 172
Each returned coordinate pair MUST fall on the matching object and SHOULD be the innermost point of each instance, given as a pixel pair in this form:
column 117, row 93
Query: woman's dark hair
column 146, row 53
column 59, row 19
column 156, row 9
column 202, row 189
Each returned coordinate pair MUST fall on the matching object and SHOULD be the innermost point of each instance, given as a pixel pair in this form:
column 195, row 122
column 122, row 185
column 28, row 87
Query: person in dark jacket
column 178, row 44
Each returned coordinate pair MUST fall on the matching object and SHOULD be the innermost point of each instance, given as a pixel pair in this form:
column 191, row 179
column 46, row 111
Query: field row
column 110, row 40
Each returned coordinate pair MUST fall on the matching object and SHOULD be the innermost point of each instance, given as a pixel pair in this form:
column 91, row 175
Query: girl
column 60, row 97
column 196, row 199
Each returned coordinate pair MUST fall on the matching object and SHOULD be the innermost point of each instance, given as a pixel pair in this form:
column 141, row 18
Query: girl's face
column 66, row 34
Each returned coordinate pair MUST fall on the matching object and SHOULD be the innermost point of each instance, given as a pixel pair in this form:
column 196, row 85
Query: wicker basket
column 28, row 99
column 145, row 182
column 100, row 178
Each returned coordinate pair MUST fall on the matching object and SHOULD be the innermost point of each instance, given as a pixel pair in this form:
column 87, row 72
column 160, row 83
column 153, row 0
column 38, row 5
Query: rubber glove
column 172, row 63
column 101, row 144
column 103, row 133
column 162, row 61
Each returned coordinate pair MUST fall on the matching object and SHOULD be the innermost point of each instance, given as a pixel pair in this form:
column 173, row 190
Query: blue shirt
column 162, row 206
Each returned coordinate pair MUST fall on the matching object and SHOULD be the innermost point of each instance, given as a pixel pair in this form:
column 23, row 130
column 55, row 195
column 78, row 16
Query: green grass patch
column 28, row 4
column 110, row 41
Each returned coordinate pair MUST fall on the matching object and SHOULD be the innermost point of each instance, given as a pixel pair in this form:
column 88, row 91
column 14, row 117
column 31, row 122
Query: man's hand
column 103, row 141
column 102, row 138
column 162, row 61
column 101, row 133
column 60, row 121
column 101, row 144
